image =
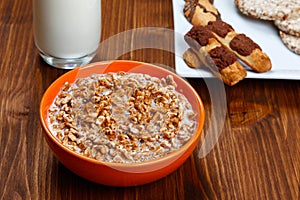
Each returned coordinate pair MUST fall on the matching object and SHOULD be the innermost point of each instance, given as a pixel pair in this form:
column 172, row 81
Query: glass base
column 67, row 63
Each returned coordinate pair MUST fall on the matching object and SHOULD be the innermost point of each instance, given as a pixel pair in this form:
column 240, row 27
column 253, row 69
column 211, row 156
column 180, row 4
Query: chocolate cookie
column 200, row 12
column 216, row 57
column 242, row 46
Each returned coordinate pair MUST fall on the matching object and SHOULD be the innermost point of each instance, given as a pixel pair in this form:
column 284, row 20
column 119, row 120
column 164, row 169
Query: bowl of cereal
column 121, row 123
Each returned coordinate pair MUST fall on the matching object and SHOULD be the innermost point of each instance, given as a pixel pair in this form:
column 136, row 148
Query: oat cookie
column 292, row 42
column 290, row 23
column 266, row 9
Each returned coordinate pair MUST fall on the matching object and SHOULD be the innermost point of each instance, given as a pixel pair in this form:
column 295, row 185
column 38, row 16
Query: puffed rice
column 122, row 117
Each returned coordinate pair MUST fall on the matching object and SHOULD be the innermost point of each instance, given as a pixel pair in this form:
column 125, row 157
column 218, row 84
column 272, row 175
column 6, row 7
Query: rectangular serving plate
column 285, row 64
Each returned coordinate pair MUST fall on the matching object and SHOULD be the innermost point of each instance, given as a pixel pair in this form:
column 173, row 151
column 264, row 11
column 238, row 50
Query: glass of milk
column 67, row 32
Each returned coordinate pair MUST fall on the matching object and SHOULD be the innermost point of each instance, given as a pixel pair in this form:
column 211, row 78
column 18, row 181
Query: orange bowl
column 121, row 174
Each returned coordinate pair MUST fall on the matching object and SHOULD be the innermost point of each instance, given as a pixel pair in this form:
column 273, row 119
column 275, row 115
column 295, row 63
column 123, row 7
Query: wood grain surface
column 257, row 155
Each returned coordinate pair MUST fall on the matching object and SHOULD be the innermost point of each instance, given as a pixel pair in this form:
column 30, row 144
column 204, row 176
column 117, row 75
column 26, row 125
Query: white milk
column 67, row 28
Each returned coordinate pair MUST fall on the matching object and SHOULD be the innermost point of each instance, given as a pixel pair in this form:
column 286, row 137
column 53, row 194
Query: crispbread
column 266, row 9
column 292, row 42
column 290, row 23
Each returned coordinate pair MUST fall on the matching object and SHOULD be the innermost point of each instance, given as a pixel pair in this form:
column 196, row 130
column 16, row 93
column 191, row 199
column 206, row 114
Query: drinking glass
column 67, row 32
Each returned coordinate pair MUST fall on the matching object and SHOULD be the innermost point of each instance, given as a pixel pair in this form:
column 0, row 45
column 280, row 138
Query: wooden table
column 256, row 156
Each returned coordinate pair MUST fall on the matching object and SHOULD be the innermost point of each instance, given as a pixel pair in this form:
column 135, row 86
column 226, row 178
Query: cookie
column 290, row 23
column 216, row 57
column 266, row 9
column 200, row 12
column 291, row 42
column 242, row 46
column 191, row 59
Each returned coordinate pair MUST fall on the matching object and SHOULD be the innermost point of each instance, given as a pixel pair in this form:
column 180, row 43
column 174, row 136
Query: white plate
column 285, row 64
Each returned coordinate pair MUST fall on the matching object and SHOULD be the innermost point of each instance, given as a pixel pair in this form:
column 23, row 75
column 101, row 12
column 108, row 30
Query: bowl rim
column 181, row 150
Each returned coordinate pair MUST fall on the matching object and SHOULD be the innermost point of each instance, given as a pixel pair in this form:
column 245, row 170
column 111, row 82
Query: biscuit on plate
column 200, row 12
column 266, row 9
column 191, row 59
column 291, row 42
column 216, row 57
column 241, row 45
column 290, row 23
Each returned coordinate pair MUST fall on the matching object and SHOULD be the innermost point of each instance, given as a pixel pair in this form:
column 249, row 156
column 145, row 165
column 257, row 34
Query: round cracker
column 265, row 9
column 290, row 23
column 292, row 42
